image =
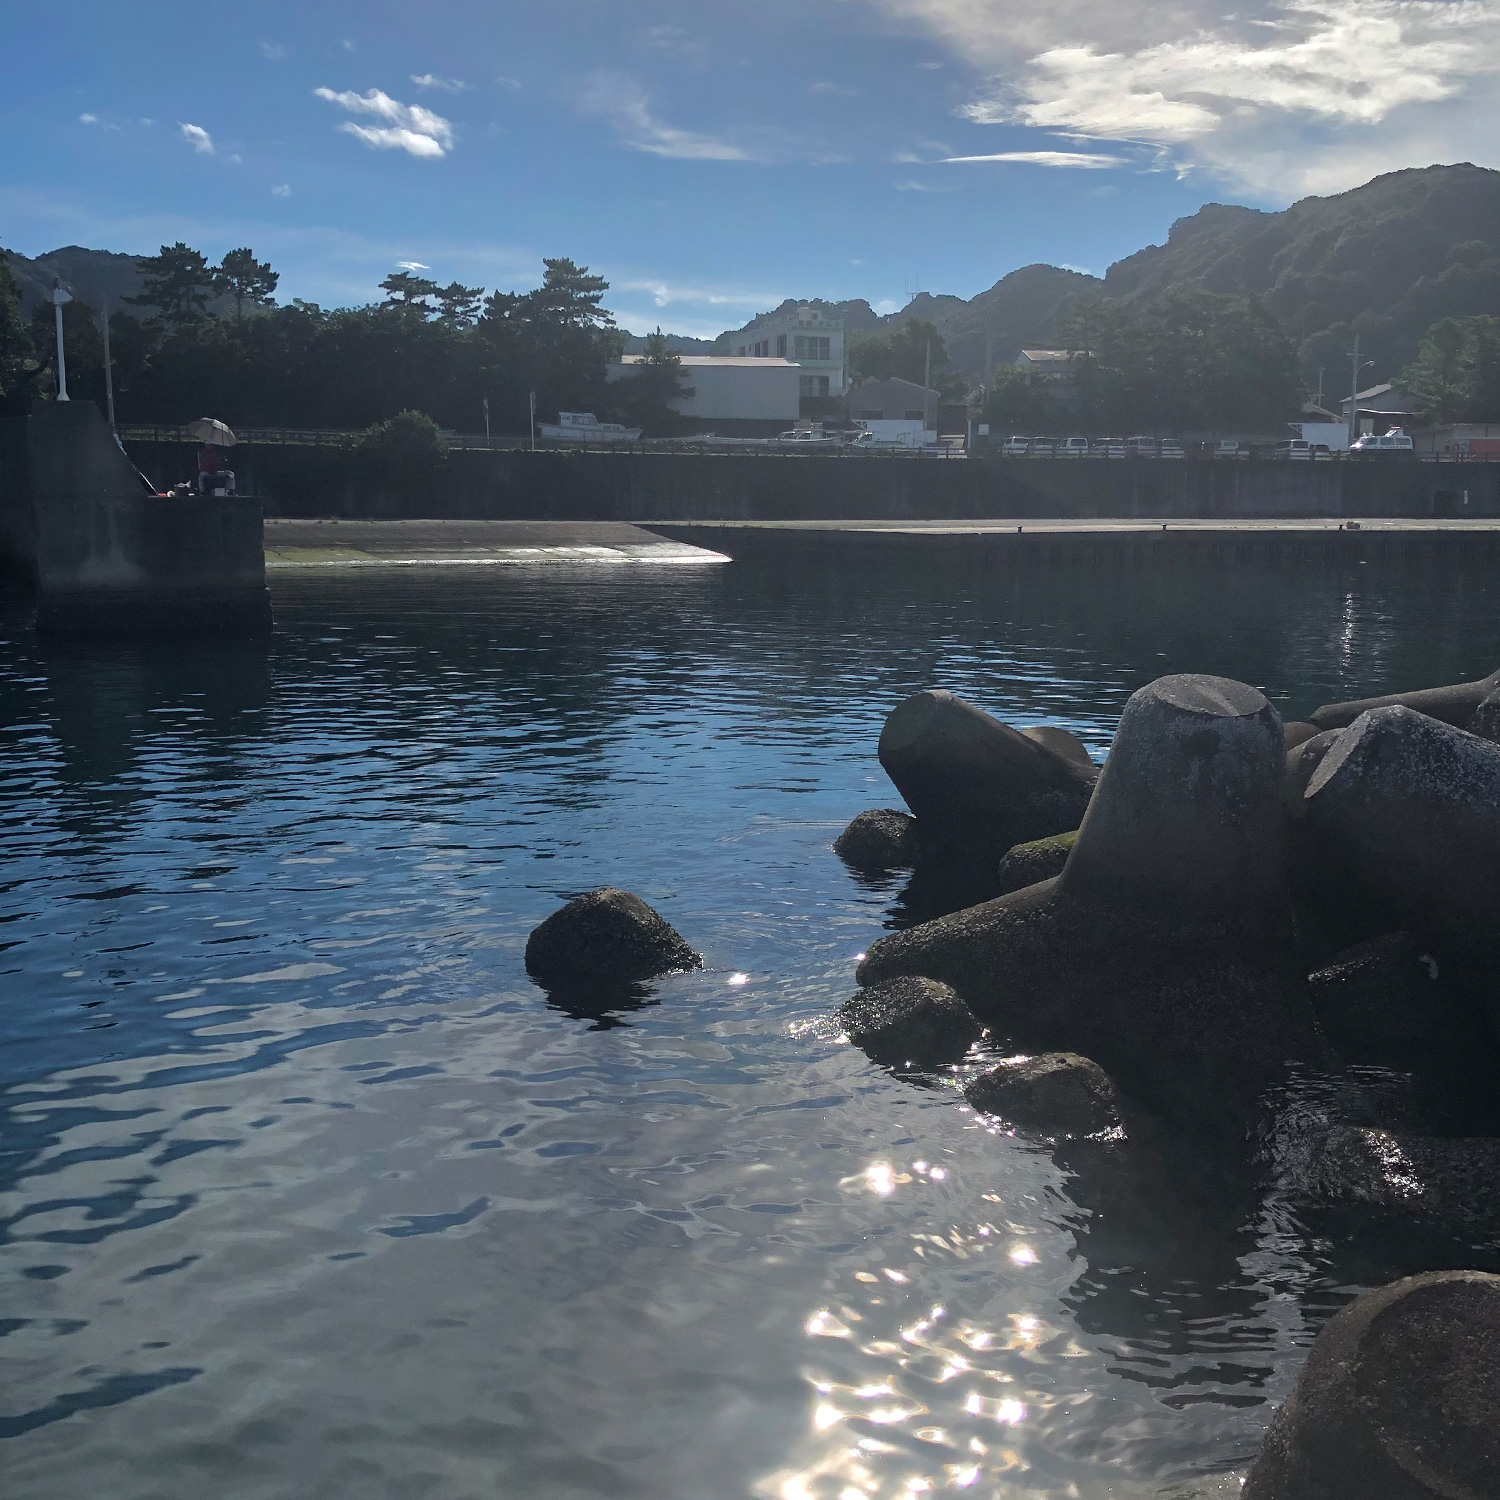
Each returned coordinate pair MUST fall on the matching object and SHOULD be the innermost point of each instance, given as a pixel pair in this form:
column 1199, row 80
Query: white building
column 727, row 388
column 803, row 335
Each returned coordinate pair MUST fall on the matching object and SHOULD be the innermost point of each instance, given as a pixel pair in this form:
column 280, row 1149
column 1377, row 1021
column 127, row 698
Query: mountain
column 101, row 278
column 1385, row 260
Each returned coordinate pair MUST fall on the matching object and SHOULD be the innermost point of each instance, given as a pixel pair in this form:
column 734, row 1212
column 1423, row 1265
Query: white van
column 1171, row 448
column 1141, row 447
column 1016, row 447
column 1394, row 441
column 1072, row 447
column 1299, row 450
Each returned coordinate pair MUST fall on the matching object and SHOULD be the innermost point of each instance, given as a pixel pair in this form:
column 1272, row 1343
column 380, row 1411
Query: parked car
column 1107, row 447
column 1298, row 450
column 1322, row 453
column 1171, row 448
column 1042, row 448
column 1141, row 447
column 1394, row 441
column 1072, row 447
column 1016, row 447
column 1231, row 448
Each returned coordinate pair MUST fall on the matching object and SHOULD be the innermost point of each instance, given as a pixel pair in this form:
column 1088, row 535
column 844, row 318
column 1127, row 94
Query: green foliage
column 241, row 276
column 643, row 399
column 458, row 305
column 1190, row 359
column 407, row 288
column 17, row 352
column 404, row 452
column 1456, row 374
column 1017, row 402
column 176, row 282
column 305, row 366
column 906, row 352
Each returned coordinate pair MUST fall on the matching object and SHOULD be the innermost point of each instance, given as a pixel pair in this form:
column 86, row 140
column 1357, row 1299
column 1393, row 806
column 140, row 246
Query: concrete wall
column 629, row 486
column 107, row 557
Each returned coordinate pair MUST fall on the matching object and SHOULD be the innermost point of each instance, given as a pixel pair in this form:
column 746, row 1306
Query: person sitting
column 213, row 477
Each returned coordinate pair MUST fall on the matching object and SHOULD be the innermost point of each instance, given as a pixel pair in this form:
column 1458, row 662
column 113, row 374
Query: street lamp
column 1354, row 390
column 59, row 296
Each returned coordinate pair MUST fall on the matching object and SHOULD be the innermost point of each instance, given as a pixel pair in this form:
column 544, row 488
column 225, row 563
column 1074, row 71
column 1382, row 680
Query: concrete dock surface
column 338, row 544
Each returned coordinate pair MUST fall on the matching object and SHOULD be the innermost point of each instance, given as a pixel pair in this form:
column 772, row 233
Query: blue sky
column 711, row 159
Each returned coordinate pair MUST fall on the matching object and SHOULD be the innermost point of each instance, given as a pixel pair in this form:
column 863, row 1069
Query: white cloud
column 912, row 185
column 198, row 138
column 824, row 86
column 347, row 45
column 676, row 42
column 621, row 100
column 406, row 127
column 432, row 81
column 275, row 51
column 282, row 190
column 412, row 265
column 87, row 119
column 507, row 83
column 664, row 294
column 1089, row 161
column 1279, row 96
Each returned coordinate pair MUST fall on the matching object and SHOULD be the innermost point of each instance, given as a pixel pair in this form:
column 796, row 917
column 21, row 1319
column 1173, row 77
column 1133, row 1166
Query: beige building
column 801, row 334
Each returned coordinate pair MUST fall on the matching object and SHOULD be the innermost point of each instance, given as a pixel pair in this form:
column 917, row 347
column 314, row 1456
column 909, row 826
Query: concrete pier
column 108, row 558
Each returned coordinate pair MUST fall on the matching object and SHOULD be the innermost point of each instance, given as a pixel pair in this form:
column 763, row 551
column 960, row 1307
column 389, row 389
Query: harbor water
column 309, row 1190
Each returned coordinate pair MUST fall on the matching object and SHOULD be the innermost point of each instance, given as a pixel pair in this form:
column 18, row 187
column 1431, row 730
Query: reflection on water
column 308, row 1189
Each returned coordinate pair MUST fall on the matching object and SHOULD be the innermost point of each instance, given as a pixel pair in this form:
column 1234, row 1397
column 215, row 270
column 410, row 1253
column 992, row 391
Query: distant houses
column 805, row 336
column 749, row 395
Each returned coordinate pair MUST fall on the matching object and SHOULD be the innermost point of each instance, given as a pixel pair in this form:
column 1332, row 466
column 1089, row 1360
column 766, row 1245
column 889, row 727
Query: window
column 742, row 351
column 915, row 416
column 812, row 385
column 872, row 416
column 809, row 348
column 781, row 346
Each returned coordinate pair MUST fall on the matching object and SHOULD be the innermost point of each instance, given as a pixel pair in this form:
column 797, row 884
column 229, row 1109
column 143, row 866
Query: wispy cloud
column 88, row 119
column 674, row 41
column 665, row 294
column 412, row 265
column 275, row 51
column 282, row 190
column 432, row 81
column 912, row 185
column 839, row 90
column 624, row 103
column 1280, row 96
column 198, row 138
column 405, row 127
column 507, row 82
column 1087, row 160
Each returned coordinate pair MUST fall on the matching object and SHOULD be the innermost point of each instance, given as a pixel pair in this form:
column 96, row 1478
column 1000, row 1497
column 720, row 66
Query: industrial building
column 737, row 395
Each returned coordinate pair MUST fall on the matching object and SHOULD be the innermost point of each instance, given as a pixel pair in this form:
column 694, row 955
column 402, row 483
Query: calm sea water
column 309, row 1191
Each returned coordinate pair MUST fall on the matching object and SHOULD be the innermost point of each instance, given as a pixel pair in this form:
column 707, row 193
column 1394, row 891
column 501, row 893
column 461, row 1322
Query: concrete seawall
column 105, row 557
column 514, row 484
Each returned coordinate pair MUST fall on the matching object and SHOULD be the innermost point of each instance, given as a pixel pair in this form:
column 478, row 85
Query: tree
column 1456, row 374
column 17, row 362
column 241, row 276
column 570, row 295
column 644, row 398
column 1190, row 359
column 1017, row 401
column 913, row 350
column 407, row 288
column 177, row 282
column 458, row 305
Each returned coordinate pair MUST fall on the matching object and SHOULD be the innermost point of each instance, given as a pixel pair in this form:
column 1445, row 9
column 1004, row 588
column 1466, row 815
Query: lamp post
column 1354, row 374
column 109, row 378
column 59, row 296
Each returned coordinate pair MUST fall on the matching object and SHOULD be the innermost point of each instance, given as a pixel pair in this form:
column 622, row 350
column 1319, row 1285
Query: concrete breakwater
column 515, row 484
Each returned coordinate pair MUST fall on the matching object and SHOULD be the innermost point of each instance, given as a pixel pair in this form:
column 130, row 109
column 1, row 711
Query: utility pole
column 532, row 405
column 486, row 419
column 926, row 376
column 59, row 296
column 109, row 378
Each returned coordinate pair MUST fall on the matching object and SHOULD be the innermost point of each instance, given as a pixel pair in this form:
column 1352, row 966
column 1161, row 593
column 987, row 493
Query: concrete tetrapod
column 1455, row 704
column 1411, row 807
column 1163, row 949
column 975, row 784
column 1399, row 1400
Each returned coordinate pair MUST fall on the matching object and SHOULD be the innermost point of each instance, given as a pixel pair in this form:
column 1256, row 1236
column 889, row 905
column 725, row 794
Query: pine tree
column 177, row 282
column 17, row 351
column 244, row 278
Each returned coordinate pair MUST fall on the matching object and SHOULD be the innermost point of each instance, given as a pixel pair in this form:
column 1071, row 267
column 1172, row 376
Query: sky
column 713, row 158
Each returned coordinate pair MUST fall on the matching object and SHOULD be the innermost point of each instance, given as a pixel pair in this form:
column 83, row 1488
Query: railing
column 316, row 437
